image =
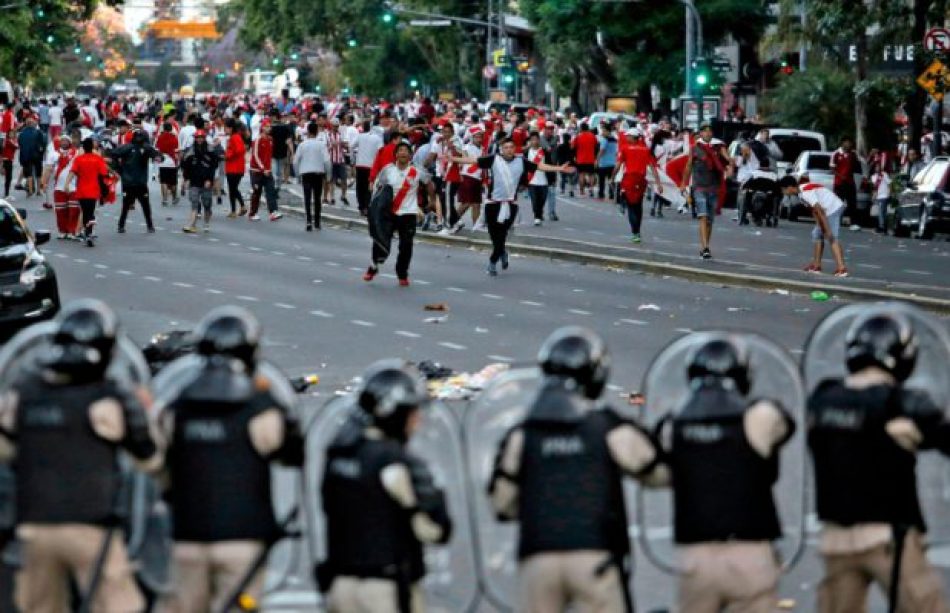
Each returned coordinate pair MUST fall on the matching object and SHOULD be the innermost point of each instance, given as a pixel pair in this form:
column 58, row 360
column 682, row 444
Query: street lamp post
column 694, row 33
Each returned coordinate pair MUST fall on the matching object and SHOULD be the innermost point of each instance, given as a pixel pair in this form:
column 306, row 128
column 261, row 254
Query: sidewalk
column 593, row 232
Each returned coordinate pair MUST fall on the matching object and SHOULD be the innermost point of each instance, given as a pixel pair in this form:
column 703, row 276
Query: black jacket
column 132, row 162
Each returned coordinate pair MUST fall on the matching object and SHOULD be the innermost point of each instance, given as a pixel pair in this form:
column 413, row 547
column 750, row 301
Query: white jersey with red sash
column 815, row 194
column 405, row 185
column 65, row 207
column 536, row 156
column 472, row 170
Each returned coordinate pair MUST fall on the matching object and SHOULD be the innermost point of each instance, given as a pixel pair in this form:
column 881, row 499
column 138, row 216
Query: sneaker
column 841, row 272
column 855, row 227
column 571, row 193
column 537, row 222
column 309, row 228
column 446, row 231
column 370, row 273
column 206, row 228
column 346, row 202
column 553, row 217
column 706, row 254
column 492, row 270
column 254, row 218
column 150, row 229
column 457, row 227
column 659, row 213
column 47, row 205
column 220, row 201
column 635, row 239
column 242, row 212
column 120, row 230
column 232, row 215
column 404, row 283
column 681, row 210
column 812, row 267
column 189, row 230
column 504, row 260
column 652, row 213
column 276, row 215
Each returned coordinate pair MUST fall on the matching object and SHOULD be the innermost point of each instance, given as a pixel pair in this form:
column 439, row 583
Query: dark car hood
column 13, row 257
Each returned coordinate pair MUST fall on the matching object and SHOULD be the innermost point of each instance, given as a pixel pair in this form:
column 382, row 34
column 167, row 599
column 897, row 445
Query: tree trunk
column 860, row 97
column 644, row 99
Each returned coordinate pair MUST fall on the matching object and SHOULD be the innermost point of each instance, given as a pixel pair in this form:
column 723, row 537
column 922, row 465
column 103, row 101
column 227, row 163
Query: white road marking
column 320, row 280
column 60, row 255
column 180, row 284
column 911, row 271
column 360, row 322
column 388, row 275
column 321, row 314
column 457, row 290
column 284, row 305
column 422, row 282
column 407, row 334
column 786, row 238
column 214, row 240
column 101, row 266
column 255, row 249
column 736, row 249
column 99, row 275
column 304, row 258
column 492, row 296
column 683, row 330
column 635, row 322
column 874, row 266
column 124, row 272
column 778, row 254
column 455, row 346
column 532, row 303
column 151, row 278
column 579, row 312
column 234, row 244
column 334, row 264
column 853, row 246
column 579, row 291
column 80, row 261
column 278, row 253
column 499, row 358
column 247, row 298
column 214, row 291
column 356, row 269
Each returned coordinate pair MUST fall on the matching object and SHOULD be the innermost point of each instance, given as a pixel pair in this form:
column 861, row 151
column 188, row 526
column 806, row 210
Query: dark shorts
column 339, row 172
column 32, row 168
column 167, row 176
column 586, row 168
column 470, row 191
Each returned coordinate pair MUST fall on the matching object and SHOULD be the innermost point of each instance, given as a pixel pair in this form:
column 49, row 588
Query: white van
column 793, row 142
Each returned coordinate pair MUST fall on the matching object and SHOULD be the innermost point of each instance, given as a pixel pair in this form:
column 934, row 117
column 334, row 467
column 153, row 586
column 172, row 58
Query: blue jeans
column 834, row 226
column 882, row 213
column 551, row 202
column 705, row 204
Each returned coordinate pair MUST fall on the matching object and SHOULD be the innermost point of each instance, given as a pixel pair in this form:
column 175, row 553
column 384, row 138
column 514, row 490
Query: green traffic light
column 388, row 17
column 88, row 58
column 413, row 83
column 77, row 50
column 50, row 39
column 40, row 13
column 295, row 56
column 276, row 61
column 702, row 79
column 509, row 78
column 352, row 42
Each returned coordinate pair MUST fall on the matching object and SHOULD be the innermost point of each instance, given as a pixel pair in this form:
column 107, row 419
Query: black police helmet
column 84, row 340
column 577, row 354
column 229, row 331
column 884, row 340
column 390, row 391
column 722, row 361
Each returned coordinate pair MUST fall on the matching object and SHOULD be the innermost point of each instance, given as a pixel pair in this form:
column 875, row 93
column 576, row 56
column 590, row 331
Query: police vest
column 368, row 533
column 65, row 473
column 221, row 485
column 861, row 474
column 570, row 489
column 722, row 488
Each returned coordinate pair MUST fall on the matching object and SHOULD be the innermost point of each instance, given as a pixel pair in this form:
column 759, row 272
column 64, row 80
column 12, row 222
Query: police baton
column 96, row 578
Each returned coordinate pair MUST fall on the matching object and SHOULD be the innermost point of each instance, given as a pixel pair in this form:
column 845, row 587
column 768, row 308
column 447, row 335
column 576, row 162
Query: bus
column 91, row 89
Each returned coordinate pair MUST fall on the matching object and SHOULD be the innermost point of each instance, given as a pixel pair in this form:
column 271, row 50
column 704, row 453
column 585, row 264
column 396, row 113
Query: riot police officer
column 225, row 422
column 864, row 432
column 65, row 421
column 559, row 474
column 380, row 501
column 722, row 452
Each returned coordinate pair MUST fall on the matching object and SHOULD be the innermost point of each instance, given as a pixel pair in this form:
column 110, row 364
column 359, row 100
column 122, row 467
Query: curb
column 659, row 268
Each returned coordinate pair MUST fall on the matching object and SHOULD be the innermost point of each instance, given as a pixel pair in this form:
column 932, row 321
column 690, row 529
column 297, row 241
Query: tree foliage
column 386, row 55
column 641, row 43
column 33, row 32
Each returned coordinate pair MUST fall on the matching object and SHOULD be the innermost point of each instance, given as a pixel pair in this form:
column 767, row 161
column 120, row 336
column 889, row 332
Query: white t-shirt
column 367, row 145
column 813, row 194
column 186, row 137
column 745, row 169
column 391, row 175
column 56, row 115
column 883, row 182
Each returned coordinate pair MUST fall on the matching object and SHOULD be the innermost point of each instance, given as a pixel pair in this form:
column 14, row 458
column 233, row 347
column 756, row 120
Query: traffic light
column 413, row 83
column 351, row 40
column 77, row 49
column 50, row 39
column 785, row 67
column 237, row 66
column 275, row 61
column 388, row 18
column 295, row 56
column 206, row 69
column 524, row 66
column 40, row 13
column 509, row 78
column 88, row 58
column 700, row 73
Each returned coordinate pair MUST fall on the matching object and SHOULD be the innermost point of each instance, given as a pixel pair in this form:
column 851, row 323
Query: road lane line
column 911, row 271
column 321, row 314
column 365, row 324
column 778, row 254
column 499, row 358
column 124, row 272
column 874, row 266
column 635, row 322
column 214, row 291
column 454, row 346
column 80, row 261
column 334, row 264
column 532, row 303
column 683, row 330
column 151, row 278
column 284, row 305
column 457, row 290
column 101, row 266
column 493, row 296
column 180, row 284
column 304, row 258
column 422, row 282
column 247, row 298
column 407, row 334
column 579, row 312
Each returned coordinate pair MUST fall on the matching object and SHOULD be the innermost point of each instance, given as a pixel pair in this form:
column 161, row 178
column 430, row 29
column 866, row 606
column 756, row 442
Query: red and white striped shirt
column 334, row 146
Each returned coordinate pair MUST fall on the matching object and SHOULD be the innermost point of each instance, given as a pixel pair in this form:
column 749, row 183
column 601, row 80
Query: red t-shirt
column 234, row 155
column 585, row 148
column 519, row 136
column 636, row 159
column 9, row 149
column 845, row 165
column 167, row 143
column 89, row 168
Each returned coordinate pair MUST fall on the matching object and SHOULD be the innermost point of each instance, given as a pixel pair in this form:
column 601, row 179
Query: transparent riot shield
column 501, row 406
column 825, row 359
column 773, row 375
column 450, row 585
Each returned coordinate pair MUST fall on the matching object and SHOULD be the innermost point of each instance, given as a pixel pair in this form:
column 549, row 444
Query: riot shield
column 500, row 407
column 773, row 375
column 450, row 585
column 825, row 359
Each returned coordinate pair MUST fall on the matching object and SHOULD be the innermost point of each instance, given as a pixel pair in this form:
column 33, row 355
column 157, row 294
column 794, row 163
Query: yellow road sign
column 934, row 79
column 499, row 57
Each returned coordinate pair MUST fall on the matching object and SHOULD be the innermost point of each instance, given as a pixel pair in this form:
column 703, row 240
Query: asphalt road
column 319, row 316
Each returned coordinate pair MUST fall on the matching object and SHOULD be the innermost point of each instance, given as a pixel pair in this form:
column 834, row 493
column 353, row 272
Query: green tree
column 33, row 32
column 641, row 44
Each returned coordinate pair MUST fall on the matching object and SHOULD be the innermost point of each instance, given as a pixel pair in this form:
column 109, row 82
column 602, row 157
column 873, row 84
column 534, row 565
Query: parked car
column 793, row 142
column 924, row 206
column 28, row 289
column 817, row 165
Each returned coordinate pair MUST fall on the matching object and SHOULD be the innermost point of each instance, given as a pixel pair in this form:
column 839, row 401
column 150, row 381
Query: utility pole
column 803, row 47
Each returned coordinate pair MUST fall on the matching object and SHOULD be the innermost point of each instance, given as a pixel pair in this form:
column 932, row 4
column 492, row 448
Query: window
column 931, row 177
column 792, row 146
column 819, row 162
column 11, row 232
